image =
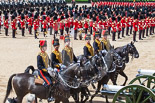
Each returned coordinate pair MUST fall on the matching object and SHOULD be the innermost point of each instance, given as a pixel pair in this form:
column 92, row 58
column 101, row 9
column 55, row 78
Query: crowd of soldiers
column 116, row 17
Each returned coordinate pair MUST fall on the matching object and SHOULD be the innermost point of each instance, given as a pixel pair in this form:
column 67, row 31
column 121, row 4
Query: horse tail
column 9, row 87
column 29, row 68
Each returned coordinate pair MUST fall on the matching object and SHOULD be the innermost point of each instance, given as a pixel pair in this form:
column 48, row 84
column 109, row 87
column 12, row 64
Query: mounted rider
column 88, row 49
column 43, row 64
column 97, row 44
column 43, row 61
column 56, row 61
column 105, row 42
column 68, row 56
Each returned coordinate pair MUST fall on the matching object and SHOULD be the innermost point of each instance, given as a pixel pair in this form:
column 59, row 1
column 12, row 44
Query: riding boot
column 50, row 99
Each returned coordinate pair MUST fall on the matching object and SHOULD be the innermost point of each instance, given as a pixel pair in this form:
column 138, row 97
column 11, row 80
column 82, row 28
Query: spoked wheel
column 145, row 80
column 134, row 94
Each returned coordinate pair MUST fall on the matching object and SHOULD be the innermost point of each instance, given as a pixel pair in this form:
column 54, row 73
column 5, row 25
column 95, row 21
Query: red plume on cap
column 42, row 43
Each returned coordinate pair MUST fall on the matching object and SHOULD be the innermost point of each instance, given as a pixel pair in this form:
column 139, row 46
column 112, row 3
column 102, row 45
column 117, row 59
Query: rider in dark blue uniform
column 56, row 55
column 88, row 49
column 97, row 44
column 43, row 64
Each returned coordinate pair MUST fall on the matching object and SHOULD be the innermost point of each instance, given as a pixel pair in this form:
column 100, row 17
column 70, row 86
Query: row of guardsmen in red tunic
column 123, row 3
column 113, row 24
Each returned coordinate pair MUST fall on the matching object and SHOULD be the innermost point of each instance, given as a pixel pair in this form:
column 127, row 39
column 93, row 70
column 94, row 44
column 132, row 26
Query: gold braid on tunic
column 106, row 43
column 45, row 58
column 99, row 44
column 90, row 49
column 69, row 51
column 58, row 55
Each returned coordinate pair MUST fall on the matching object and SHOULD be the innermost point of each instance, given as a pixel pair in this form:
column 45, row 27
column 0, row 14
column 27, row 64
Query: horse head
column 132, row 50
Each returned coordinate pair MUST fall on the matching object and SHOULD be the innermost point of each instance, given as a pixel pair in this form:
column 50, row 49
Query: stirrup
column 51, row 99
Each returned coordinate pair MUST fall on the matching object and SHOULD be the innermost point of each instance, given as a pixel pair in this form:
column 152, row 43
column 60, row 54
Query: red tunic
column 152, row 22
column 140, row 26
column 91, row 23
column 22, row 23
column 47, row 18
column 0, row 20
column 62, row 25
column 130, row 21
column 51, row 22
column 123, row 22
column 146, row 23
column 86, row 25
column 135, row 25
column 44, row 24
column 75, row 25
column 30, row 21
column 6, row 24
column 113, row 26
column 35, row 23
column 19, row 18
column 94, row 27
column 80, row 24
column 127, row 22
column 55, row 26
column 100, row 25
column 119, row 28
column 13, row 24
column 41, row 19
column 26, row 18
column 109, row 22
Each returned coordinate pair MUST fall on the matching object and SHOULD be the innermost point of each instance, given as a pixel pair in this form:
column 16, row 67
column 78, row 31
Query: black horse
column 112, row 60
column 124, row 52
column 87, row 70
column 23, row 84
column 121, row 57
column 90, row 71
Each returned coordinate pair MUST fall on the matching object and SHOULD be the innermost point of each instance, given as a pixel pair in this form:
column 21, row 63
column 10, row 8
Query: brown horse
column 23, row 84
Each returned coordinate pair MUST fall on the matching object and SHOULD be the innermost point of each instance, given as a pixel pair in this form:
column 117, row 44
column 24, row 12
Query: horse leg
column 97, row 91
column 36, row 100
column 106, row 97
column 113, row 78
column 19, row 99
column 84, row 93
column 93, row 86
column 124, row 75
column 57, row 101
column 76, row 97
column 66, row 101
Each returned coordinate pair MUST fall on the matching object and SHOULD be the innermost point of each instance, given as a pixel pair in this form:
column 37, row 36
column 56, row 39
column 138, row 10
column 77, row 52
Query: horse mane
column 69, row 69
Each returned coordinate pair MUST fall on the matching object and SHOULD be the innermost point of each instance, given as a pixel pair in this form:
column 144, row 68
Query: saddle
column 38, row 80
